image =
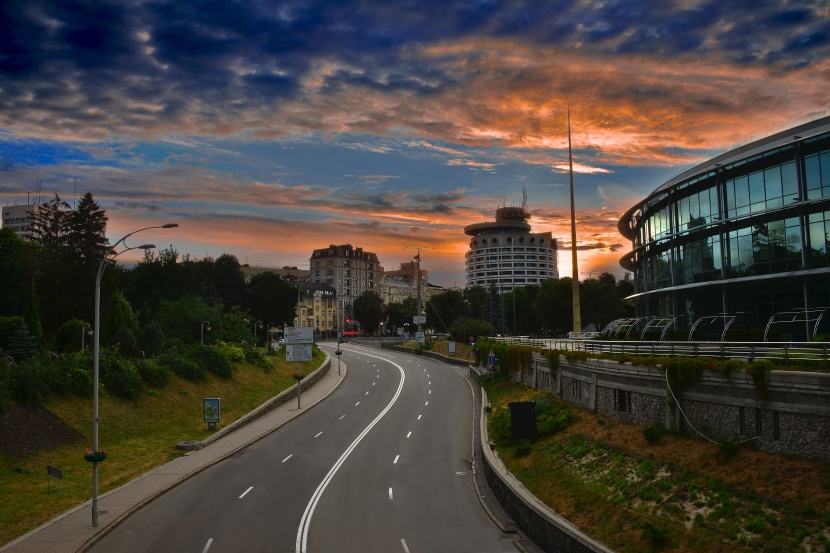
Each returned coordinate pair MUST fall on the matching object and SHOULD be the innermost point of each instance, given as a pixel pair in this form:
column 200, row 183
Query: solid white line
column 409, row 434
column 390, row 494
column 305, row 522
column 246, row 492
column 405, row 548
column 395, row 462
column 287, row 458
column 317, row 435
column 210, row 541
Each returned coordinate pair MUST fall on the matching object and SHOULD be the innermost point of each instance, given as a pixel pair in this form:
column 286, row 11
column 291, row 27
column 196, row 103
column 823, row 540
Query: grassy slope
column 139, row 436
column 610, row 481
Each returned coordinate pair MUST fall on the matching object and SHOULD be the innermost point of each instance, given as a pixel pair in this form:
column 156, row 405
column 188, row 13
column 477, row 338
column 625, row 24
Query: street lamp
column 110, row 256
column 85, row 329
column 268, row 327
column 257, row 324
column 202, row 331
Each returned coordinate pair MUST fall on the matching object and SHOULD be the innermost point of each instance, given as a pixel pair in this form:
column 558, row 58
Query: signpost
column 211, row 410
column 298, row 341
column 419, row 319
column 57, row 473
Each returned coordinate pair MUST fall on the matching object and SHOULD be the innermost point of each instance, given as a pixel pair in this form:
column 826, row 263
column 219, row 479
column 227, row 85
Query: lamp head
column 146, row 247
column 170, row 225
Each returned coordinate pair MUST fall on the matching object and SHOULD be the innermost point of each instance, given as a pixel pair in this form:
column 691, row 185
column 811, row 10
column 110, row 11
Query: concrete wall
column 793, row 419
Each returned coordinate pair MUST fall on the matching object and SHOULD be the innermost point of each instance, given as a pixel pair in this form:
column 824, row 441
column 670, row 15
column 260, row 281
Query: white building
column 505, row 252
column 19, row 219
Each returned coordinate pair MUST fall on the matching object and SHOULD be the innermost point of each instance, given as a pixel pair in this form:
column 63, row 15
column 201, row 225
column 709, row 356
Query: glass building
column 739, row 241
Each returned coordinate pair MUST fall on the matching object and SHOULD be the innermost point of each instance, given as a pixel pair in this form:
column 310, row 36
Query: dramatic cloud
column 268, row 128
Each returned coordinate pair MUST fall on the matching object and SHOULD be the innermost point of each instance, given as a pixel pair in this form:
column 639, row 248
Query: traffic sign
column 491, row 358
column 298, row 352
column 419, row 319
column 299, row 335
column 419, row 337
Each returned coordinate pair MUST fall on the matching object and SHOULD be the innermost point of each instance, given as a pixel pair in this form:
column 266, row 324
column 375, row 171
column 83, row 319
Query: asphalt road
column 382, row 465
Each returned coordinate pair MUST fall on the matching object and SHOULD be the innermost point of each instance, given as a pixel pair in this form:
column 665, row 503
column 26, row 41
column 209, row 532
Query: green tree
column 368, row 309
column 477, row 299
column 464, row 327
column 445, row 308
column 17, row 270
column 269, row 298
column 398, row 314
column 228, row 280
column 554, row 306
column 22, row 345
column 152, row 339
column 119, row 321
column 86, row 232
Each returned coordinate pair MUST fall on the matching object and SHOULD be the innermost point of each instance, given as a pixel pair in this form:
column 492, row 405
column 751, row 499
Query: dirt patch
column 27, row 429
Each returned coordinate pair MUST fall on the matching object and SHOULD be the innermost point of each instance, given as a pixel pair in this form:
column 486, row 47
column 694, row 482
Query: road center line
column 419, row 417
column 366, row 394
column 305, row 522
column 287, row 458
column 427, row 403
column 405, row 548
column 395, row 462
column 356, row 404
column 210, row 541
column 408, row 434
column 317, row 435
column 390, row 494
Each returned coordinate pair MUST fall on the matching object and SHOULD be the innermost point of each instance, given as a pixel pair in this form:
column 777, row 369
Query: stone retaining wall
column 793, row 418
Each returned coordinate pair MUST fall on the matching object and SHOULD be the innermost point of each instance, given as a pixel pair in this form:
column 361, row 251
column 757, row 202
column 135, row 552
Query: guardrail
column 813, row 355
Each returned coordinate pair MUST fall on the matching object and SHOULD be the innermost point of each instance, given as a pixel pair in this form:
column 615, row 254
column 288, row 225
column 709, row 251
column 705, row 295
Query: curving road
column 382, row 465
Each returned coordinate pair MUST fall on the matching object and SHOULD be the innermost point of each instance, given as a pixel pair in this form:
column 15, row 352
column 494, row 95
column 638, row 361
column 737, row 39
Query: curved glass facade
column 745, row 233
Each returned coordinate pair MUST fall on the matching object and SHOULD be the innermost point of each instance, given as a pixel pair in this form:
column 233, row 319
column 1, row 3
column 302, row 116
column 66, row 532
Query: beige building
column 318, row 309
column 291, row 274
column 349, row 270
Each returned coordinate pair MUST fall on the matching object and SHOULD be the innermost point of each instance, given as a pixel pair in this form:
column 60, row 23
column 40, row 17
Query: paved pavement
column 72, row 531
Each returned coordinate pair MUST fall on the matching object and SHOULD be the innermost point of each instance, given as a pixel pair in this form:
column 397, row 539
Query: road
column 382, row 465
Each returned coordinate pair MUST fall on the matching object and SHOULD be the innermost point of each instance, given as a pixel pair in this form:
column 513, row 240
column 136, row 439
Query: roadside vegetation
column 139, row 433
column 648, row 489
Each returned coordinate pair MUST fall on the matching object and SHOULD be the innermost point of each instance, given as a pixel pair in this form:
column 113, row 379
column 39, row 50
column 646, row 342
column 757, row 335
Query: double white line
column 305, row 522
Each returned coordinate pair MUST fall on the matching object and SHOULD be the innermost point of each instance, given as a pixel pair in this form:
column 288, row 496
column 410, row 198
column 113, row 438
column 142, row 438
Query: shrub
column 257, row 357
column 182, row 367
column 213, row 359
column 498, row 425
column 656, row 534
column 232, row 351
column 75, row 374
column 552, row 416
column 758, row 371
column 120, row 376
column 153, row 373
column 654, row 433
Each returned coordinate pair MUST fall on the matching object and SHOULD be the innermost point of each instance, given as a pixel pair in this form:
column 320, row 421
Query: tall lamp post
column 111, row 255
column 268, row 336
column 202, row 331
column 257, row 324
column 86, row 329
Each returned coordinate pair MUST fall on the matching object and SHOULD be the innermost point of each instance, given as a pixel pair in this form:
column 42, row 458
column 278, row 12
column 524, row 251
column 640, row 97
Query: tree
column 446, row 307
column 86, row 232
column 269, row 298
column 464, row 327
column 476, row 297
column 368, row 309
column 228, row 279
column 397, row 314
column 554, row 306
column 50, row 224
column 16, row 268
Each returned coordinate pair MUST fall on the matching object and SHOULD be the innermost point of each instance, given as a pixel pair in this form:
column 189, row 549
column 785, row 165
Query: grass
column 139, row 435
column 675, row 494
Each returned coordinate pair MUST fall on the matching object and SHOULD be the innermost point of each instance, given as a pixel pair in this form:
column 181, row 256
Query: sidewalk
column 73, row 531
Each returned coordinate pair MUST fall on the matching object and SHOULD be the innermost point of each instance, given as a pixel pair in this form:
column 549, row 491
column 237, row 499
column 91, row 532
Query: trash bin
column 523, row 420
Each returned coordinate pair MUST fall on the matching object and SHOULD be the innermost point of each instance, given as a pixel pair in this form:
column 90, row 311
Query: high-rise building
column 505, row 253
column 351, row 272
column 19, row 219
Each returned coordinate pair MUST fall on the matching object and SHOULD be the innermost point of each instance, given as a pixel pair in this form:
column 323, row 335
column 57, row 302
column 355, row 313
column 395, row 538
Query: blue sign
column 491, row 359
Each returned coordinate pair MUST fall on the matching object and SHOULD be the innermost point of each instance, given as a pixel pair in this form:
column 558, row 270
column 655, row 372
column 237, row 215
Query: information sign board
column 419, row 337
column 211, row 406
column 419, row 319
column 298, row 352
column 299, row 335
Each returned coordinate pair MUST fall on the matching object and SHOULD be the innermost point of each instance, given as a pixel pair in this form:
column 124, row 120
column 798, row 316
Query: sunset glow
column 269, row 132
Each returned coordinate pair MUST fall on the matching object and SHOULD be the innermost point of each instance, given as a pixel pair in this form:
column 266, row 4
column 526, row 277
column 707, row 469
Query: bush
column 498, row 425
column 213, row 359
column 654, row 433
column 552, row 416
column 183, row 367
column 257, row 357
column 120, row 376
column 75, row 374
column 232, row 351
column 154, row 374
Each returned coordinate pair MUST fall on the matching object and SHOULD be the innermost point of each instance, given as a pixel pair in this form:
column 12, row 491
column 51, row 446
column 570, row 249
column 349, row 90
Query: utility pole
column 417, row 258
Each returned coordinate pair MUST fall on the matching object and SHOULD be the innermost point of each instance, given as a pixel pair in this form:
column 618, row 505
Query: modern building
column 505, row 253
column 19, row 219
column 739, row 242
column 349, row 270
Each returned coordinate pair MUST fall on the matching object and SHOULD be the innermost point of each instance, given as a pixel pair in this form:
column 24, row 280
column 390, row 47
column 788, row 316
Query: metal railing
column 809, row 355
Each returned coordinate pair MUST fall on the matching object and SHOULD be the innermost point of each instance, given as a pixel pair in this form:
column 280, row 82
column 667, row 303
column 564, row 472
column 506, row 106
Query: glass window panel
column 812, row 172
column 756, row 188
column 705, row 212
column 745, row 254
column 730, row 197
column 825, row 168
column 789, row 182
column 772, row 182
column 818, row 244
column 741, row 192
column 714, row 242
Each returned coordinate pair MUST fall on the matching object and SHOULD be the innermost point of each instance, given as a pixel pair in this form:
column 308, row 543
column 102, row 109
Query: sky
column 268, row 129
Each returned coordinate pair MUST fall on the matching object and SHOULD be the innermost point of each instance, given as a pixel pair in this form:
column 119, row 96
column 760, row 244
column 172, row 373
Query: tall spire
column 575, row 268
